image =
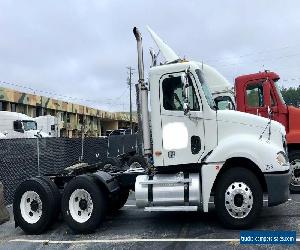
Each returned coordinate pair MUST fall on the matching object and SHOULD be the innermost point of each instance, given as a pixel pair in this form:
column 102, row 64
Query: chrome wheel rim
column 238, row 200
column 295, row 165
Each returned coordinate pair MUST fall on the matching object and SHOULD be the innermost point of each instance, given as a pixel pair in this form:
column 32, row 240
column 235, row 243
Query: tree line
column 291, row 95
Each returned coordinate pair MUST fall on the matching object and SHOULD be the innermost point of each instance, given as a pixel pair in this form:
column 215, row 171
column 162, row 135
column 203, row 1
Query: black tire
column 139, row 160
column 98, row 198
column 40, row 187
column 244, row 176
column 119, row 201
column 294, row 156
column 57, row 197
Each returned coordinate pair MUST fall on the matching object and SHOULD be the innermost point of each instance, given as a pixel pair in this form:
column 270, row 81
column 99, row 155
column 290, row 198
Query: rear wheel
column 119, row 201
column 294, row 158
column 238, row 198
column 83, row 204
column 33, row 206
column 57, row 197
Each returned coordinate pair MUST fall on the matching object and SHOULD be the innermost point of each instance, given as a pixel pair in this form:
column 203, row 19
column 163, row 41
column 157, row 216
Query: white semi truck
column 49, row 125
column 197, row 154
column 18, row 125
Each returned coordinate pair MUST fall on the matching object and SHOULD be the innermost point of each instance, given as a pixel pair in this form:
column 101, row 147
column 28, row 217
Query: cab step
column 172, row 208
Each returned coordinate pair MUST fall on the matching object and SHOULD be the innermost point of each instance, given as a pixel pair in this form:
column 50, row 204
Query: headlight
column 281, row 158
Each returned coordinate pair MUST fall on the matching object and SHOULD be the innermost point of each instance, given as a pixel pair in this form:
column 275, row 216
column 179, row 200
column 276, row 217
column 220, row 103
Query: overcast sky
column 80, row 49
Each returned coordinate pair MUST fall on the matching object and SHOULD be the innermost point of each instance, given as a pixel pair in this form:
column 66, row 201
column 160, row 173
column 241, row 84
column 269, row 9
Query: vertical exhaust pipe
column 142, row 97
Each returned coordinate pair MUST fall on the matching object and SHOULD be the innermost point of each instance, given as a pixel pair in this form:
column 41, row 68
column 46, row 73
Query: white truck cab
column 18, row 125
column 49, row 125
column 230, row 155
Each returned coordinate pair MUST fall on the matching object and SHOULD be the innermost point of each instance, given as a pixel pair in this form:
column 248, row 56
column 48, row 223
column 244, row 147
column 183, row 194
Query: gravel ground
column 125, row 230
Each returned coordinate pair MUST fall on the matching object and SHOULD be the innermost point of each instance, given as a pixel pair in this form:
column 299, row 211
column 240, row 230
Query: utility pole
column 129, row 79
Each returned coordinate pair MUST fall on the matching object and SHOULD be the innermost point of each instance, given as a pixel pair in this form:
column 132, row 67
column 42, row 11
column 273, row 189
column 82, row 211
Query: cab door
column 182, row 135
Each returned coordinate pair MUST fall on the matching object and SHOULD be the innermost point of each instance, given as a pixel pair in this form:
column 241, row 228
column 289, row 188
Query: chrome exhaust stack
column 142, row 97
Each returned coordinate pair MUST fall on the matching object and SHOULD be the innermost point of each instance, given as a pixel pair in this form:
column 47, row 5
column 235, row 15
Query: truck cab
column 17, row 125
column 260, row 94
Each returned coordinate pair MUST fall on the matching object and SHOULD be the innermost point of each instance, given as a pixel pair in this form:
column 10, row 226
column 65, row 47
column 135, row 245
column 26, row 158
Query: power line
column 53, row 94
column 256, row 60
column 265, row 51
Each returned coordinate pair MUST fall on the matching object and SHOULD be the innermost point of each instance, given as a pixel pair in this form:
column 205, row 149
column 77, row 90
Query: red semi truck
column 259, row 94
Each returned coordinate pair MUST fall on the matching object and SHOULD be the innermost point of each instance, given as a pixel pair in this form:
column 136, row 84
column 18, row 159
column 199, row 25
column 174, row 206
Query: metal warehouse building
column 73, row 116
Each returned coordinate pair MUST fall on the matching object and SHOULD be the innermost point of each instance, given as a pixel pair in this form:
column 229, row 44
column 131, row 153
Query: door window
column 173, row 95
column 254, row 95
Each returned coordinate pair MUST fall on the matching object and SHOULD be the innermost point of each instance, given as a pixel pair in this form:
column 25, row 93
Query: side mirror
column 229, row 106
column 18, row 126
column 185, row 92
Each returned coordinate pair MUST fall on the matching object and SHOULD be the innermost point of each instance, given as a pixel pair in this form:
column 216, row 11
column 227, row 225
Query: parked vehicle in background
column 48, row 124
column 122, row 131
column 194, row 153
column 260, row 94
column 17, row 125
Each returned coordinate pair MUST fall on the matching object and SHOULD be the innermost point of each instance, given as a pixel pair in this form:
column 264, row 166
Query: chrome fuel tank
column 168, row 190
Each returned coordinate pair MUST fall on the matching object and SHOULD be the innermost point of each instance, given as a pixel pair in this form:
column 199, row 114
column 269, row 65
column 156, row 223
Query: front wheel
column 294, row 158
column 238, row 198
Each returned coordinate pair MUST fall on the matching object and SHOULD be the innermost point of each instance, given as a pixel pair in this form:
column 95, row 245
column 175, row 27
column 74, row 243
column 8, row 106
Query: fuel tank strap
column 150, row 190
column 186, row 189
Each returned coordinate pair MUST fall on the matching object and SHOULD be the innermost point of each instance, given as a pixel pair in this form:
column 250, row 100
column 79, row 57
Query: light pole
column 129, row 81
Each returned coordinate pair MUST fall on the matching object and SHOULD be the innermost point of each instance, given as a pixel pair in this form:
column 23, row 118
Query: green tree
column 291, row 95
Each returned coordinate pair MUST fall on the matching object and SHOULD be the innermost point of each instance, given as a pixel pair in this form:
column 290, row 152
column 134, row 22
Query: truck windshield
column 278, row 91
column 29, row 125
column 206, row 89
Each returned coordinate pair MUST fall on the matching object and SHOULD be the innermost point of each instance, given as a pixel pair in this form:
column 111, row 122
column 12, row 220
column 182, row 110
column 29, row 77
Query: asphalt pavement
column 132, row 228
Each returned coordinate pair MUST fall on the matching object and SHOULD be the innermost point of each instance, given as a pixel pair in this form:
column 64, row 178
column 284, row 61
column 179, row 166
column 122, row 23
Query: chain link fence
column 23, row 158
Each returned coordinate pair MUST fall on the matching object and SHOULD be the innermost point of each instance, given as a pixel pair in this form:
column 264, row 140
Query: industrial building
column 74, row 118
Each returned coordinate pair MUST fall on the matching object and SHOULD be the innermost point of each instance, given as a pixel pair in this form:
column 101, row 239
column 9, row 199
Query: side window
column 173, row 96
column 193, row 100
column 254, row 95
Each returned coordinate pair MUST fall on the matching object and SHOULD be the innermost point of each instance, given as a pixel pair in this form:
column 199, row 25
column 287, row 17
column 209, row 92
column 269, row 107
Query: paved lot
column 131, row 228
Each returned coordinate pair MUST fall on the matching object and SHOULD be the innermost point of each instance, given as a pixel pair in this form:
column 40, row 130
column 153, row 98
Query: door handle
column 195, row 144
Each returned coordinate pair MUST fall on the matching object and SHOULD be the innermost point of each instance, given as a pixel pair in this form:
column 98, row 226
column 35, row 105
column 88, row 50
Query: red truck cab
column 255, row 94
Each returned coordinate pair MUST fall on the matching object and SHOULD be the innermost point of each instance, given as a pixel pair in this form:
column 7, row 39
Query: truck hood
column 33, row 133
column 247, row 122
column 26, row 134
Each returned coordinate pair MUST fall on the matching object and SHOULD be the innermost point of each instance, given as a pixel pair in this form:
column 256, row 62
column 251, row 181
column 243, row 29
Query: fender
column 106, row 180
column 259, row 151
